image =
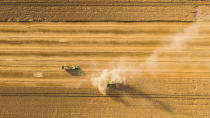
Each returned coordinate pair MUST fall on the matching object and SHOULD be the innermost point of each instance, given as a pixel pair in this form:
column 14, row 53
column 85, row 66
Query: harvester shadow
column 79, row 72
column 115, row 94
column 129, row 91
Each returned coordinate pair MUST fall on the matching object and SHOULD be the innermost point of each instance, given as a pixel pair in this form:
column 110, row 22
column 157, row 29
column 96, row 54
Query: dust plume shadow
column 116, row 95
column 129, row 91
column 141, row 94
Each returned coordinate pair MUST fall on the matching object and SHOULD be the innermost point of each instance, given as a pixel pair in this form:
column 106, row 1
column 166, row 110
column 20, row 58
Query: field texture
column 103, row 10
column 166, row 65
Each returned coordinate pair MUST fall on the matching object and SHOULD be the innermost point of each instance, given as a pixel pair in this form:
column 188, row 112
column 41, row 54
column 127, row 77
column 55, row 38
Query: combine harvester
column 73, row 70
column 115, row 84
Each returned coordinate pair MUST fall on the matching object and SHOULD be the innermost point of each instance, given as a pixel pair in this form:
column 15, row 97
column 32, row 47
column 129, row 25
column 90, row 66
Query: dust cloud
column 177, row 42
column 117, row 74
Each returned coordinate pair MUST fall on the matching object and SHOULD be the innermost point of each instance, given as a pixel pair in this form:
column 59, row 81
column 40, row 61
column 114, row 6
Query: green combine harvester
column 75, row 68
